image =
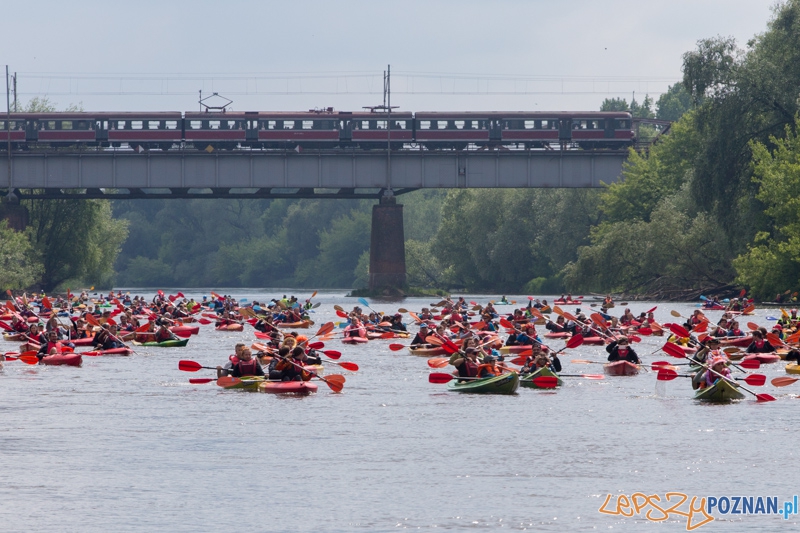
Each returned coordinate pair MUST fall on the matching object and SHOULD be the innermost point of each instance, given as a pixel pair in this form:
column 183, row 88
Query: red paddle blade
column 228, row 381
column 201, row 380
column 774, row 339
column 519, row 361
column 438, row 362
column 506, row 324
column 634, row 338
column 657, row 365
column 182, row 334
column 546, row 382
column 666, row 374
column 598, row 320
column 678, row 330
column 750, row 364
column 189, row 366
column 396, row 347
column 651, row 310
column 333, row 354
column 438, row 377
column 752, row 325
column 756, row 380
column 764, row 398
column 29, row 359
column 569, row 316
column 336, row 378
column 349, row 366
column 316, row 345
column 341, row 314
column 673, row 349
column 204, row 321
column 575, row 341
column 645, row 331
column 432, row 339
column 388, row 335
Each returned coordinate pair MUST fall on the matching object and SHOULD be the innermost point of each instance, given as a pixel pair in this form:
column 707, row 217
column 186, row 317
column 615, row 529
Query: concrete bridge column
column 13, row 212
column 387, row 251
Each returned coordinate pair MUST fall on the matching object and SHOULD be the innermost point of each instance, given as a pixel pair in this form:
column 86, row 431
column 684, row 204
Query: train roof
column 474, row 115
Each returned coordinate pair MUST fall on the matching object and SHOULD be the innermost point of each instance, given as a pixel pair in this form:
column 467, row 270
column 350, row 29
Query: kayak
column 172, row 343
column 502, row 384
column 621, row 368
column 288, row 387
column 247, row 383
column 14, row 337
column 428, row 352
column 721, row 391
column 793, row 368
column 567, row 302
column 558, row 335
column 741, row 342
column 517, row 348
column 68, row 359
column 299, row 325
column 354, row 340
column 715, row 307
column 594, row 340
column 112, row 351
column 190, row 330
column 87, row 341
column 527, row 379
column 763, row 358
column 230, row 327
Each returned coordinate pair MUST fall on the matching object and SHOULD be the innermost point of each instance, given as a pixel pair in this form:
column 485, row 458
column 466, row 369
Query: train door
column 346, row 127
column 496, row 129
column 609, row 132
column 251, row 126
column 565, row 130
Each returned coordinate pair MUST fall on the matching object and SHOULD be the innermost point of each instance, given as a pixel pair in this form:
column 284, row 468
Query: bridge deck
column 276, row 174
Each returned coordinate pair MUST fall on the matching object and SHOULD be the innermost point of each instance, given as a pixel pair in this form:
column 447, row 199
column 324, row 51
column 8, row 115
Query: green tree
column 674, row 103
column 19, row 267
column 614, row 104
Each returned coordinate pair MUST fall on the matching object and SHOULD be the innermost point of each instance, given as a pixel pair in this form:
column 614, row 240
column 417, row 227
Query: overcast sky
column 296, row 55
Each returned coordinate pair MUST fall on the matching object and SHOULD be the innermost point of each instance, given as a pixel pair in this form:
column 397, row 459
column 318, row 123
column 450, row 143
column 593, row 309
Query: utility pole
column 387, row 96
column 16, row 109
column 8, row 134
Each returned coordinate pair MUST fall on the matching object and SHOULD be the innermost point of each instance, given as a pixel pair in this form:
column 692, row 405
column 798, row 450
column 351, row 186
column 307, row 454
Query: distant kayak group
column 489, row 351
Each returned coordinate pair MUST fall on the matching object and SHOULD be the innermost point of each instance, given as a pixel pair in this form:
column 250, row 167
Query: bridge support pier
column 13, row 212
column 387, row 251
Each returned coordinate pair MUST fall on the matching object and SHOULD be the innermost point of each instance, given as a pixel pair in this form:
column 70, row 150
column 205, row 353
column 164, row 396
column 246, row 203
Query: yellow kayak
column 793, row 368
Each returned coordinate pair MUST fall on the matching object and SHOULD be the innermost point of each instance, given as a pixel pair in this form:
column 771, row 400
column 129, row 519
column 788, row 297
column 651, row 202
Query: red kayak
column 558, row 335
column 69, row 359
column 354, row 340
column 112, row 351
column 88, row 341
column 741, row 342
column 288, row 387
column 189, row 330
column 621, row 368
column 594, row 340
column 567, row 302
column 763, row 358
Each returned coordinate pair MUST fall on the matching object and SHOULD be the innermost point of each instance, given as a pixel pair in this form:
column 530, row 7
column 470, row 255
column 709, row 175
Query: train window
column 380, row 124
column 578, row 124
column 623, row 124
column 459, row 124
column 65, row 125
column 324, row 125
column 468, row 125
column 196, row 124
column 529, row 125
column 442, row 125
column 308, row 124
column 136, row 124
column 364, row 125
column 398, row 124
column 213, row 124
column 424, row 124
column 171, row 124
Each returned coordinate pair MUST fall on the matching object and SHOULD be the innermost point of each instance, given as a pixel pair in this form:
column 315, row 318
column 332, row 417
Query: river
column 127, row 444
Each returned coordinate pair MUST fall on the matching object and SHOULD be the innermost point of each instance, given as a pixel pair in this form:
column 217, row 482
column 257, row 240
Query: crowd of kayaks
column 492, row 351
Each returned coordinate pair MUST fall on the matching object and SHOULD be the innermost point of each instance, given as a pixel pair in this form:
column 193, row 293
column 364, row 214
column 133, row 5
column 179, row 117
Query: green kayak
column 721, row 391
column 164, row 344
column 502, row 384
column 526, row 380
column 249, row 383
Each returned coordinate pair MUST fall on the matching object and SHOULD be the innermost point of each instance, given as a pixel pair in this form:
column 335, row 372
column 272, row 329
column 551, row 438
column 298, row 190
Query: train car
column 369, row 130
column 15, row 129
column 218, row 130
column 593, row 130
column 140, row 130
column 455, row 130
column 308, row 129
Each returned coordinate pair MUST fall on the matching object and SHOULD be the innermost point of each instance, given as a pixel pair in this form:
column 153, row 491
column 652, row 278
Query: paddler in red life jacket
column 51, row 347
column 759, row 344
column 355, row 329
column 466, row 363
column 420, row 339
column 619, row 350
column 291, row 367
column 488, row 368
column 245, row 365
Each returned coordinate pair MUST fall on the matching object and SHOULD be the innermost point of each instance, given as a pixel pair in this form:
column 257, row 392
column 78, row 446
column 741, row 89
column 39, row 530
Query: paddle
column 192, row 366
column 334, row 382
column 584, row 376
column 439, row 377
column 438, row 362
column 29, row 358
column 395, row 347
column 667, row 374
column 365, row 303
column 197, row 381
column 784, row 381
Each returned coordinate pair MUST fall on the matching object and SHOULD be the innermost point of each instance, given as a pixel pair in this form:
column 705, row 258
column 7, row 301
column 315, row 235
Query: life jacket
column 468, row 369
column 56, row 345
column 247, row 368
column 491, row 370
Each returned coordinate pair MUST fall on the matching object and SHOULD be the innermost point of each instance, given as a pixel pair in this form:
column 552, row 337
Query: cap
column 778, row 327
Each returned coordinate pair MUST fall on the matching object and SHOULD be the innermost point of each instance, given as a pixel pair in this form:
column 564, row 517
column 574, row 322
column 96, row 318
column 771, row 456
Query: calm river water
column 127, row 444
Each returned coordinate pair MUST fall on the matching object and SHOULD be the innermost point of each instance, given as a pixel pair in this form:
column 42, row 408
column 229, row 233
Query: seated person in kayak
column 290, row 366
column 51, row 347
column 708, row 351
column 488, row 368
column 759, row 344
column 164, row 334
column 528, row 337
column 244, row 366
column 559, row 326
column 355, row 329
column 716, row 371
column 620, row 350
column 466, row 363
column 106, row 338
column 397, row 323
column 539, row 359
column 420, row 339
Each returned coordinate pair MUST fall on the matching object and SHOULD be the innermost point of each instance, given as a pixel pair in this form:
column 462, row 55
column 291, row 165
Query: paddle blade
column 29, row 359
column 438, row 377
column 756, row 380
column 666, row 374
column 438, row 362
column 363, row 302
column 784, row 381
column 679, row 330
column 201, row 380
column 396, row 347
column 336, row 378
column 341, row 314
column 182, row 334
column 752, row 325
column 750, row 364
column 774, row 339
column 675, row 314
column 326, row 328
column 673, row 349
column 575, row 341
column 506, row 324
column 316, row 345
column 388, row 335
column 519, row 361
column 645, row 331
column 228, row 381
column 593, row 376
column 333, row 354
column 352, row 367
column 333, row 385
column 634, row 338
column 658, row 365
column 546, row 382
column 189, row 366
column 764, row 398
column 402, row 310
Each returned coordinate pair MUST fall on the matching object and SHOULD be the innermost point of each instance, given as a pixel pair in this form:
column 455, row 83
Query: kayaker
column 106, row 338
column 51, row 347
column 245, row 366
column 164, row 334
column 397, row 323
column 716, row 371
column 707, row 351
column 488, row 369
column 759, row 344
column 420, row 339
column 291, row 367
column 355, row 329
column 466, row 363
column 620, row 350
